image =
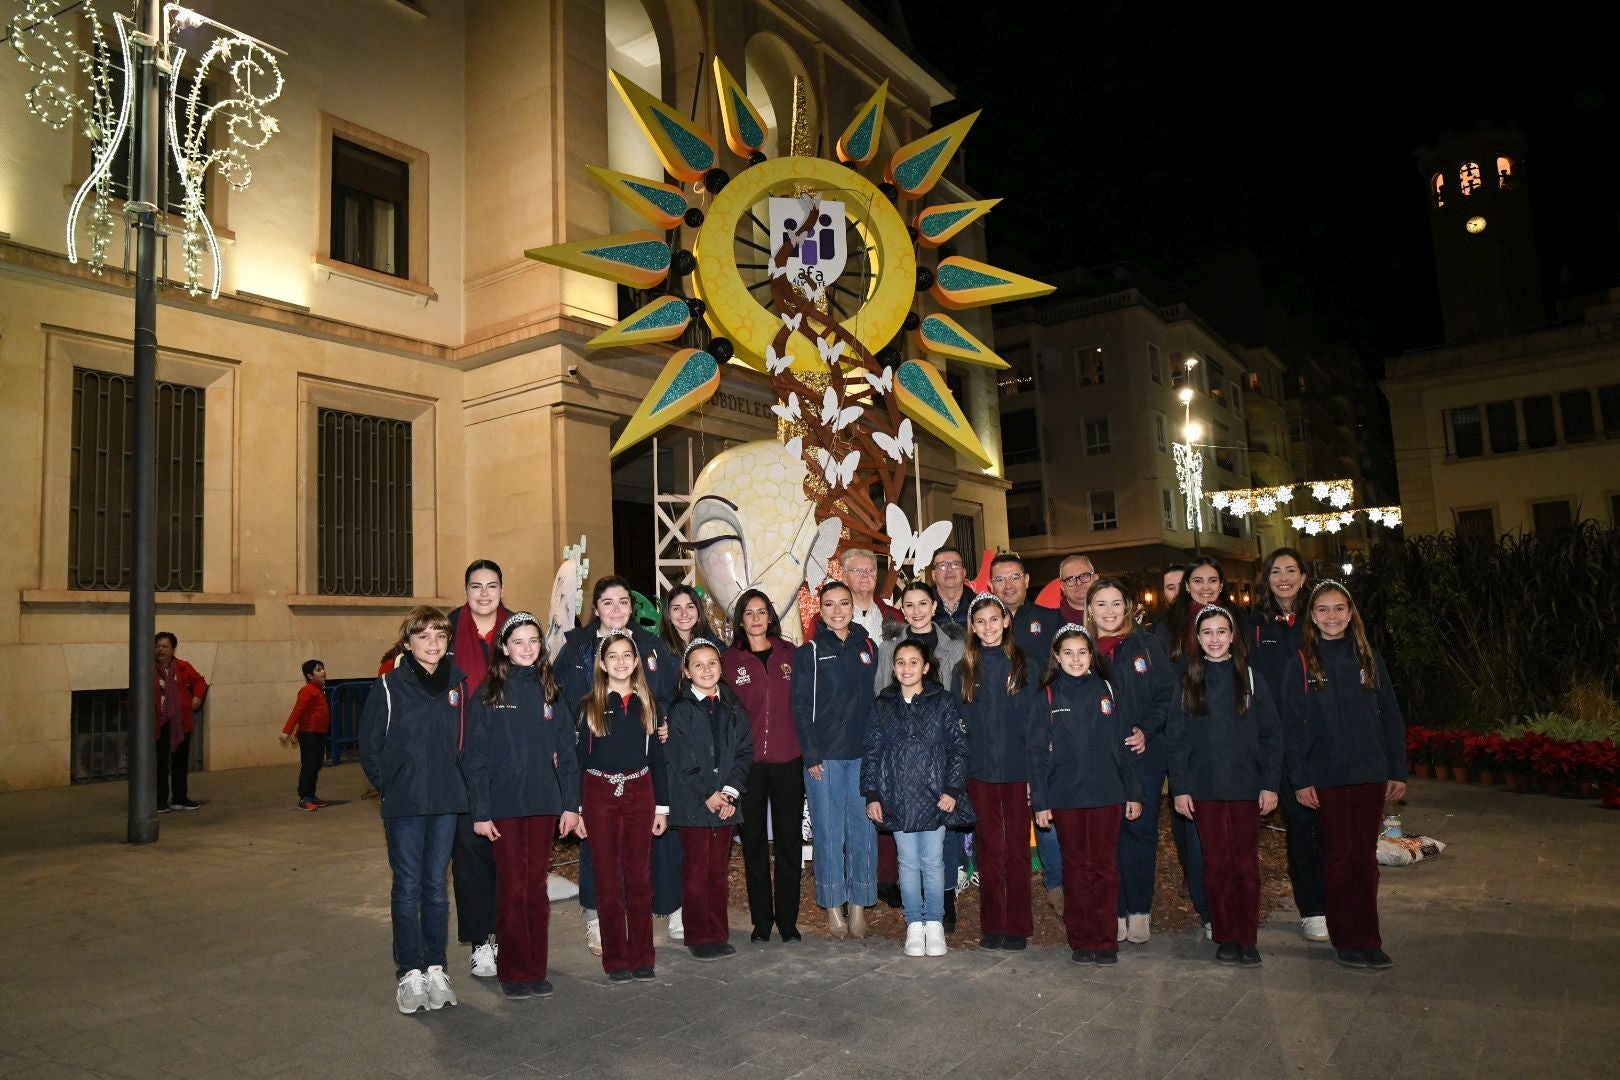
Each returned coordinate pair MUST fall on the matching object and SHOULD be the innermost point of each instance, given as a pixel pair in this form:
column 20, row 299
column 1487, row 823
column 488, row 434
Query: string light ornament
column 47, row 43
column 1387, row 516
column 1314, row 524
column 1336, row 493
column 1190, row 476
column 1241, row 502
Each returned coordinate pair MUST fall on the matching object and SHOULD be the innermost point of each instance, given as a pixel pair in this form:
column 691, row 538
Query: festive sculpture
column 831, row 252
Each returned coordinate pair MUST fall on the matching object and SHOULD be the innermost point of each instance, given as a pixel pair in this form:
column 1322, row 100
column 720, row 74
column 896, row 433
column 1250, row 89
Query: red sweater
column 190, row 684
column 310, row 712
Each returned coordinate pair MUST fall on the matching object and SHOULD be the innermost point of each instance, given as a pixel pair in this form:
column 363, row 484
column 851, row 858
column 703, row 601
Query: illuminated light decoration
column 916, row 167
column 1241, row 502
column 49, row 46
column 746, row 130
column 961, row 282
column 1336, row 493
column 1190, row 478
column 1387, row 516
column 686, row 150
column 937, row 224
column 665, row 319
column 689, row 380
column 944, row 336
column 638, row 259
column 858, row 144
column 921, row 392
column 1313, row 524
column 664, row 205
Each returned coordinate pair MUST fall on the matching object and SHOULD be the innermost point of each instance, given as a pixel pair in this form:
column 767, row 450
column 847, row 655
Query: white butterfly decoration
column 775, row 362
column 795, row 447
column 907, row 548
column 830, row 350
column 882, row 384
column 812, row 291
column 836, row 417
column 839, row 473
column 821, row 551
column 790, row 411
column 779, row 271
column 900, row 445
column 793, row 322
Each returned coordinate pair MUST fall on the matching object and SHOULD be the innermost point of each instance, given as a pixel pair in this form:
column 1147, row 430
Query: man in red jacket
column 179, row 694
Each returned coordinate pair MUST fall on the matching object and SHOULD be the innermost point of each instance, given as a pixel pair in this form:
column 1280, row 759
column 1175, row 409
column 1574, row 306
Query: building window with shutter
column 1467, row 436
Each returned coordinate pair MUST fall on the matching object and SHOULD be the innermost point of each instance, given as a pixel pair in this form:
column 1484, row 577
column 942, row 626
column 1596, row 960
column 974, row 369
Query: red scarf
column 471, row 647
column 1108, row 644
column 1190, row 645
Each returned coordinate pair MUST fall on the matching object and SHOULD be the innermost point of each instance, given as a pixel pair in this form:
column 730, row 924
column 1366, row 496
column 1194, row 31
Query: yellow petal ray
column 916, row 167
column 944, row 336
column 746, row 130
column 859, row 142
column 937, row 224
column 686, row 150
column 687, row 381
column 632, row 258
column 660, row 203
column 921, row 393
column 967, row 283
column 665, row 319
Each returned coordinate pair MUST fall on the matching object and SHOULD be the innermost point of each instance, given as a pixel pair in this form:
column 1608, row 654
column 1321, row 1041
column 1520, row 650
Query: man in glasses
column 1075, row 575
column 1033, row 626
column 949, row 572
column 861, row 575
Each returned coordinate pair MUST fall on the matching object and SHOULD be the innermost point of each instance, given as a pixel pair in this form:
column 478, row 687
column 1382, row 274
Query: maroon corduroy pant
column 1089, row 840
column 705, row 884
column 619, row 830
column 1229, row 832
column 1350, row 817
column 1001, row 844
column 522, row 905
column 888, row 865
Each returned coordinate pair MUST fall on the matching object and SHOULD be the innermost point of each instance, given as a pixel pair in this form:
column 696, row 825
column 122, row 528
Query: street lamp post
column 1189, row 460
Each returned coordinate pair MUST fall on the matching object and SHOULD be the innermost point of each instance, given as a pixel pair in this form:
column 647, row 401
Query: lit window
column 1468, row 178
column 1504, row 173
column 1167, row 508
column 1438, row 183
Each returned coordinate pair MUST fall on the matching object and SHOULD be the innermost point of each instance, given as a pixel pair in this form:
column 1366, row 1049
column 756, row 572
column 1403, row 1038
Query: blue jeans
column 1185, row 834
column 844, row 845
column 955, row 855
column 1046, row 846
column 1139, row 849
column 419, row 855
column 922, row 874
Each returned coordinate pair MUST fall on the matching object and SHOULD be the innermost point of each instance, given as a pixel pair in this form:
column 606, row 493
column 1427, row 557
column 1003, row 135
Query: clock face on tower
column 1475, row 224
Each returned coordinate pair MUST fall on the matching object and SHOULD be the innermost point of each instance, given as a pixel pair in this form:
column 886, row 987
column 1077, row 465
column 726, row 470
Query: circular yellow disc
column 734, row 312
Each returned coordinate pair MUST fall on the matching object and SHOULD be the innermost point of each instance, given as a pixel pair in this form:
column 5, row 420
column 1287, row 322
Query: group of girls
column 656, row 750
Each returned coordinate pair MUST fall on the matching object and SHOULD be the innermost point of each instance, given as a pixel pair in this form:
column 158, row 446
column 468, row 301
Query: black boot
column 950, row 911
column 889, row 893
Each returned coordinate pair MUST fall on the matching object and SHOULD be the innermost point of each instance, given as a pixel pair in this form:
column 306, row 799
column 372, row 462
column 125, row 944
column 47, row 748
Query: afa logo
column 454, row 698
column 742, row 677
column 1140, row 665
column 1107, row 706
column 817, row 257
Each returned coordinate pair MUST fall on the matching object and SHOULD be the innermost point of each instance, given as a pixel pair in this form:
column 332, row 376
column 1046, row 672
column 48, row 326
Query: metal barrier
column 345, row 698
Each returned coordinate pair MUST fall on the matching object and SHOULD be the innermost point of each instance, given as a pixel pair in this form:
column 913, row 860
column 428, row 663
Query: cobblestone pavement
column 253, row 940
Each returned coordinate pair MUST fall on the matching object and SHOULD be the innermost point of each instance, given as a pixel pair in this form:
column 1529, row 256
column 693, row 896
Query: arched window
column 1468, row 178
column 769, row 68
column 632, row 51
column 1504, row 173
column 1438, row 183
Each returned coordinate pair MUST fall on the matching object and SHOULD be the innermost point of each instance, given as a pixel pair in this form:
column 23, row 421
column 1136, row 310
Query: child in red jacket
column 310, row 721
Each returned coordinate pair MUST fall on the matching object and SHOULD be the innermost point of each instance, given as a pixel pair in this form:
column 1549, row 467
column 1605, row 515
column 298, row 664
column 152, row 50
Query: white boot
column 1137, row 929
column 915, row 943
column 934, row 939
column 1121, row 929
column 593, row 935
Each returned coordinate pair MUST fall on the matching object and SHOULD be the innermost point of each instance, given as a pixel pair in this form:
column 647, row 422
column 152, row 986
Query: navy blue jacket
column 1077, row 753
column 410, row 743
column 960, row 616
column 1274, row 646
column 1034, row 627
column 519, row 758
column 915, row 752
column 832, row 694
column 626, row 748
column 698, row 767
column 575, row 664
column 1221, row 755
column 1144, row 680
column 1341, row 731
column 998, row 722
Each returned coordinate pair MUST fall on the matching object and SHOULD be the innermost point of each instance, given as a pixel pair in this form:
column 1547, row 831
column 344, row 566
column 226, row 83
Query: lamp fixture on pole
column 1189, row 460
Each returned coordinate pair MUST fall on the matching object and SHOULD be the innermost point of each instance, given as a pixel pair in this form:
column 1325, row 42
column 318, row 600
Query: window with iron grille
column 101, row 495
column 100, row 736
column 363, row 482
column 965, row 536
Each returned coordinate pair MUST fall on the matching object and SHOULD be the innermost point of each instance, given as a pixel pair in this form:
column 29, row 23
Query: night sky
column 1139, row 133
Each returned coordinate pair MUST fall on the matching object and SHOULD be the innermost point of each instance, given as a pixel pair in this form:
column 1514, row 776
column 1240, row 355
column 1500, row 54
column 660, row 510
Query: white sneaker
column 1314, row 927
column 483, row 960
column 1136, row 929
column 439, row 993
column 593, row 936
column 1209, row 931
column 915, row 943
column 412, row 993
column 1121, row 929
column 677, row 928
column 934, row 939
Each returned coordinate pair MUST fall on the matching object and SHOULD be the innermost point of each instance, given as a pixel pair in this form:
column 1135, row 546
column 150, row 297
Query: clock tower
column 1476, row 187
